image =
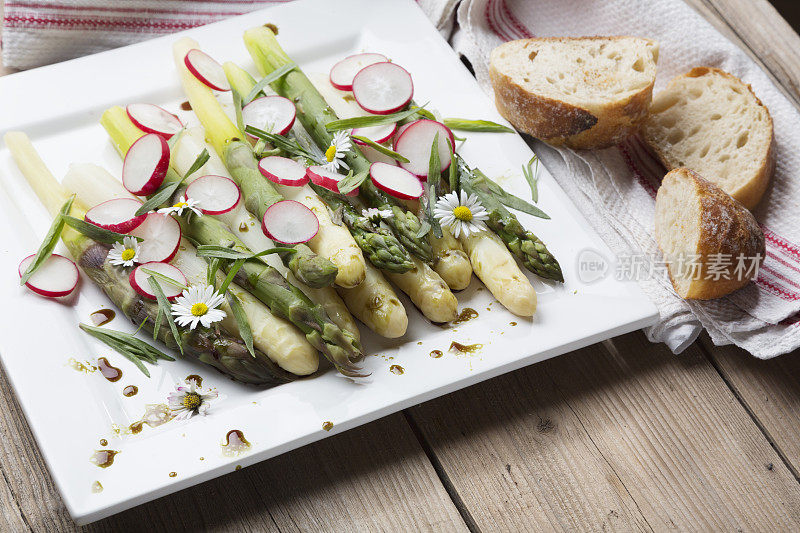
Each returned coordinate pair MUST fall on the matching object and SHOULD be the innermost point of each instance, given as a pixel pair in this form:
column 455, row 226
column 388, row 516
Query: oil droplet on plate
column 235, row 443
column 103, row 442
column 327, row 426
column 465, row 348
column 97, row 487
column 173, row 474
column 155, row 414
column 101, row 317
column 81, row 367
column 396, row 370
column 243, row 227
column 103, row 458
column 436, row 354
column 198, row 381
column 111, row 373
column 130, row 390
column 238, row 467
column 512, row 323
column 466, row 315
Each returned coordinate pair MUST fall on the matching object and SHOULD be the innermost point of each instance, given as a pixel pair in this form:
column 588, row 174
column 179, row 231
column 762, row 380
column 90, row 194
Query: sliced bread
column 584, row 92
column 711, row 122
column 711, row 243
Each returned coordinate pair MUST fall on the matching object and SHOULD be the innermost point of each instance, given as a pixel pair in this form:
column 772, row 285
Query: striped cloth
column 614, row 188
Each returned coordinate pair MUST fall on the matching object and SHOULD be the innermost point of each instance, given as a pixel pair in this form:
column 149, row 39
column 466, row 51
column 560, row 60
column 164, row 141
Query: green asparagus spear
column 377, row 241
column 224, row 352
column 313, row 113
column 522, row 243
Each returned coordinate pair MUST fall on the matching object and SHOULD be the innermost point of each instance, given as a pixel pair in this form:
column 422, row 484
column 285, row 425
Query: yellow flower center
column 330, row 153
column 180, row 205
column 462, row 213
column 192, row 400
column 128, row 254
column 199, row 309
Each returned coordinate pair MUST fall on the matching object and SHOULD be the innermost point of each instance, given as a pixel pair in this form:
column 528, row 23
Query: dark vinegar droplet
column 173, row 474
column 235, row 443
column 186, row 106
column 327, row 426
column 396, row 369
column 436, row 354
column 466, row 315
column 111, row 373
column 102, row 317
column 243, row 227
column 104, row 458
column 130, row 390
column 103, row 442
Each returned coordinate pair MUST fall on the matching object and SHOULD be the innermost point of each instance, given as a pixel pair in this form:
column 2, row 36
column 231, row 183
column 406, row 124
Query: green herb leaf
column 424, row 113
column 380, row 148
column 434, row 176
column 237, row 107
column 95, row 233
column 371, row 120
column 232, row 271
column 223, row 252
column 165, row 279
column 172, row 141
column 452, row 176
column 508, row 199
column 160, row 197
column 290, row 146
column 273, row 76
column 463, row 124
column 201, row 160
column 127, row 345
column 49, row 243
column 166, row 310
column 241, row 320
column 531, row 174
column 351, row 181
column 211, row 272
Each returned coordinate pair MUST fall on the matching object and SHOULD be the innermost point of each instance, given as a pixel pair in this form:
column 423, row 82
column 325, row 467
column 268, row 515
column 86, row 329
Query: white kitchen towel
column 614, row 188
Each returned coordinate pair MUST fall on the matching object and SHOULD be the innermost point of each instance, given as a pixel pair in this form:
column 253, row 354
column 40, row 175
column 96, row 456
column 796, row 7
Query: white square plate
column 71, row 411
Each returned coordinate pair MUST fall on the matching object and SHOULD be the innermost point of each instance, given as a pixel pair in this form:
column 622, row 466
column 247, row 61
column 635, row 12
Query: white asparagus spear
column 276, row 337
column 497, row 269
column 375, row 303
column 245, row 226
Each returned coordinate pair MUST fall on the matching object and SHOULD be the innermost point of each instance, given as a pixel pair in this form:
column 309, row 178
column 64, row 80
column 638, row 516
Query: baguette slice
column 695, row 221
column 711, row 122
column 585, row 92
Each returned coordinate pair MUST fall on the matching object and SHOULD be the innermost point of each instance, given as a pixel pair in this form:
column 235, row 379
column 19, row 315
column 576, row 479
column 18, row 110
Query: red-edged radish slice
column 214, row 194
column 329, row 179
column 378, row 134
column 206, row 69
column 283, row 170
column 138, row 279
column 145, row 165
column 344, row 71
column 289, row 222
column 383, row 88
column 374, row 156
column 273, row 114
column 396, row 181
column 153, row 119
column 162, row 237
column 117, row 215
column 58, row 276
column 415, row 144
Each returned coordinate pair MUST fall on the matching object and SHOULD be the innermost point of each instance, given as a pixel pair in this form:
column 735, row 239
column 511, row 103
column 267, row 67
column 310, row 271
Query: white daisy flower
column 335, row 153
column 125, row 253
column 465, row 215
column 198, row 304
column 190, row 399
column 375, row 215
column 182, row 205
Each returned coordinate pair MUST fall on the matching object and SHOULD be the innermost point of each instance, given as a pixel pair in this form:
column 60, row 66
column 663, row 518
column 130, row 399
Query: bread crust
column 560, row 123
column 751, row 192
column 726, row 227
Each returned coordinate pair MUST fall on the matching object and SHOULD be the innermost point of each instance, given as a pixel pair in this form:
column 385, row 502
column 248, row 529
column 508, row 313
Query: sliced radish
column 58, row 276
column 374, row 156
column 206, row 69
column 162, row 237
column 274, row 114
column 289, row 222
column 378, row 134
column 283, row 170
column 383, row 88
column 145, row 165
column 415, row 141
column 153, row 119
column 344, row 71
column 138, row 279
column 396, row 181
column 117, row 215
column 214, row 194
column 329, row 179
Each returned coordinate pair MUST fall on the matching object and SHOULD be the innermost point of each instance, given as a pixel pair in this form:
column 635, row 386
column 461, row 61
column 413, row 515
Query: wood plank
column 376, row 477
column 622, row 435
column 770, row 390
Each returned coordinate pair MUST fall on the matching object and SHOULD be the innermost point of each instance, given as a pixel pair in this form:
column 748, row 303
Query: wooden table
column 621, row 435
